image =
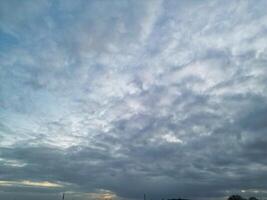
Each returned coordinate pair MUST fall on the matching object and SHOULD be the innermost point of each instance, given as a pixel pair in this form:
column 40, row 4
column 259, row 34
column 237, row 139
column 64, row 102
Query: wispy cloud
column 29, row 183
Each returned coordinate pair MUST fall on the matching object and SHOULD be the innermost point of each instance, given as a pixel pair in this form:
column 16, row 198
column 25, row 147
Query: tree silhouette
column 235, row 197
column 253, row 198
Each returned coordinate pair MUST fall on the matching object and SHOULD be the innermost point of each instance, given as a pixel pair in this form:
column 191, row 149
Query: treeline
column 238, row 197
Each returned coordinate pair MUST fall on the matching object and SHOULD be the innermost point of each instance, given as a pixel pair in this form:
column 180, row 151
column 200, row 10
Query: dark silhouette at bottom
column 238, row 197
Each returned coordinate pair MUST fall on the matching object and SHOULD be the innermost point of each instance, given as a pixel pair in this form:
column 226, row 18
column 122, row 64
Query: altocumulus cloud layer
column 113, row 99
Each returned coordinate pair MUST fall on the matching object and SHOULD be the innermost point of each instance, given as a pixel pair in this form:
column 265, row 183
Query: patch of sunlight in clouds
column 26, row 183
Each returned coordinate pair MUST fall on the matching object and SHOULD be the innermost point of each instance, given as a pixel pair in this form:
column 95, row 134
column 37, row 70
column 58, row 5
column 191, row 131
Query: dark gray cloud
column 116, row 99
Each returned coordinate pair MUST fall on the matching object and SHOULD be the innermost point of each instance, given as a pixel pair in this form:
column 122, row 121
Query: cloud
column 114, row 100
column 29, row 183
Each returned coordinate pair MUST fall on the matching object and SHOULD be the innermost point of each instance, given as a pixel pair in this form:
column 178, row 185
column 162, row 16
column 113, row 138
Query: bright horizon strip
column 27, row 183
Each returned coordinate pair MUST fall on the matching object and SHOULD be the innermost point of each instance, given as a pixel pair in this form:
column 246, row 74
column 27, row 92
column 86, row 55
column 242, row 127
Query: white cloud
column 172, row 138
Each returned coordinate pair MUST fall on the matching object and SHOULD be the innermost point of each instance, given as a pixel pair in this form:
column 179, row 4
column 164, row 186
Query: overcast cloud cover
column 114, row 99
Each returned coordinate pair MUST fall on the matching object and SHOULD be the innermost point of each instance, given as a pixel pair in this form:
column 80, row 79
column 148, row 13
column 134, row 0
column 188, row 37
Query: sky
column 113, row 99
